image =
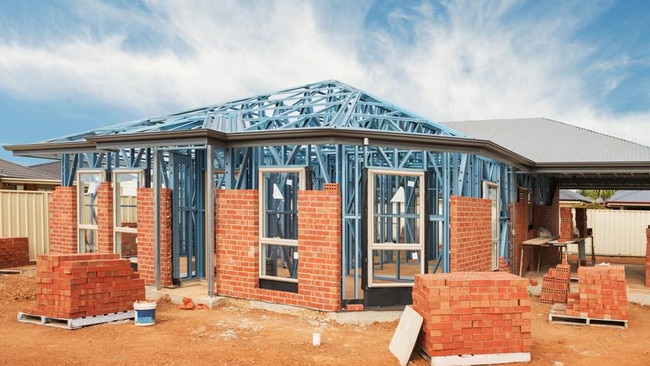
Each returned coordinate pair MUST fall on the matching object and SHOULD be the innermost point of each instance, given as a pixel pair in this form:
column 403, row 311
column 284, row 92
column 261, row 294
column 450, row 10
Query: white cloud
column 474, row 60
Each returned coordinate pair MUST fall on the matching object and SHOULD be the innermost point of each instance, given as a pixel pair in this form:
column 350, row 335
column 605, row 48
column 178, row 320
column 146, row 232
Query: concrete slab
column 406, row 334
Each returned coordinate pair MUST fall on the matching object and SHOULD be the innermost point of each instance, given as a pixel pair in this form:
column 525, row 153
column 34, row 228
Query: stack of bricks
column 14, row 252
column 601, row 293
column 555, row 285
column 82, row 285
column 473, row 313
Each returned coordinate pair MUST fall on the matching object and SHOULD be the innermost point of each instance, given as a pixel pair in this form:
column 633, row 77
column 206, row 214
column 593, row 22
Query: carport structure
column 409, row 195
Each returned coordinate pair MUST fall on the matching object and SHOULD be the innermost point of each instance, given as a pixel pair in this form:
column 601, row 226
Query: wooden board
column 539, row 240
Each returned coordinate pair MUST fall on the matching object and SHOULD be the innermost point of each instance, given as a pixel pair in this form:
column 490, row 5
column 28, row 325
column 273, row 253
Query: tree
column 596, row 194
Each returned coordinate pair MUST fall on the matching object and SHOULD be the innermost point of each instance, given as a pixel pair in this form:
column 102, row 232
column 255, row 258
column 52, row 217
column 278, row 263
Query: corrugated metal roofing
column 546, row 141
column 629, row 196
column 12, row 170
column 569, row 195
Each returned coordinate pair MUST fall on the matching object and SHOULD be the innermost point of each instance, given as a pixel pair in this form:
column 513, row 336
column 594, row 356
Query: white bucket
column 145, row 312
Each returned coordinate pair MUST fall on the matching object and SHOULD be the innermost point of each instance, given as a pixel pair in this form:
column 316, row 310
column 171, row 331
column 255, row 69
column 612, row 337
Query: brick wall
column 602, row 293
column 81, row 285
column 581, row 221
column 520, row 228
column 146, row 263
column 473, row 313
column 319, row 247
column 14, row 252
column 548, row 216
column 647, row 257
column 63, row 220
column 566, row 224
column 105, row 218
column 470, row 240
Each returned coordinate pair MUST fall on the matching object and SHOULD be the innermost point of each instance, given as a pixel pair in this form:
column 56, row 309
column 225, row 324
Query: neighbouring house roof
column 629, row 198
column 18, row 174
column 569, row 195
column 52, row 168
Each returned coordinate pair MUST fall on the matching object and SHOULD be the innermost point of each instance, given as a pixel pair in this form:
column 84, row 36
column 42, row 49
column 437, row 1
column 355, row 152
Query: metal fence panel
column 619, row 232
column 25, row 214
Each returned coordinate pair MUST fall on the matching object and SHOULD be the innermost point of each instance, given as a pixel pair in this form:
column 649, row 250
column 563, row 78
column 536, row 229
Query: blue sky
column 67, row 66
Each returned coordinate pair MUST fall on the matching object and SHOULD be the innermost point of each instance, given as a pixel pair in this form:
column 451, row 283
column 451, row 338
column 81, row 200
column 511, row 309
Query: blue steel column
column 446, row 188
column 156, row 217
column 209, row 217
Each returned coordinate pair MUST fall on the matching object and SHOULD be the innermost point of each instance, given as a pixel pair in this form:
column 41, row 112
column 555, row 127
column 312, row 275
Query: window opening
column 396, row 227
column 125, row 211
column 279, row 222
column 87, row 185
column 491, row 192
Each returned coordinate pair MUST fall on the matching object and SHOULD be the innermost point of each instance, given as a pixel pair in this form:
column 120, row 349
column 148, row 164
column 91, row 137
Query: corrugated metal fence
column 618, row 233
column 25, row 213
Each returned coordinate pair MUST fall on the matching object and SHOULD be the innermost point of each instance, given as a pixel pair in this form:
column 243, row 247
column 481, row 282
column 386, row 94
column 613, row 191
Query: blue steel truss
column 325, row 104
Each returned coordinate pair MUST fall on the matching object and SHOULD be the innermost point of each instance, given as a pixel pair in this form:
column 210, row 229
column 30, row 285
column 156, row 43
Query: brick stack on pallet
column 555, row 285
column 601, row 293
column 83, row 285
column 474, row 313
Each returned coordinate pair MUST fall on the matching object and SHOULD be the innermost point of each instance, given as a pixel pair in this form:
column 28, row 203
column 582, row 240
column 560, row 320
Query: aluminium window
column 278, row 245
column 88, row 182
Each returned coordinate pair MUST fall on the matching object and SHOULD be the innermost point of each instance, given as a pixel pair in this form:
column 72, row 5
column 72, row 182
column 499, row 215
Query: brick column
column 319, row 242
column 63, row 220
column 105, row 218
column 237, row 237
column 520, row 228
column 566, row 224
column 470, row 242
column 146, row 264
column 581, row 221
column 647, row 257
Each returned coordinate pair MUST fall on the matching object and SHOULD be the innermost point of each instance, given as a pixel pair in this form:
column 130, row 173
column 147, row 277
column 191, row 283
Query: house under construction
column 321, row 195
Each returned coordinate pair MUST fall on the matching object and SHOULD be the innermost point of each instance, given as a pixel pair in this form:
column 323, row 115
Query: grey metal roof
column 630, row 196
column 573, row 157
column 569, row 195
column 547, row 141
column 15, row 171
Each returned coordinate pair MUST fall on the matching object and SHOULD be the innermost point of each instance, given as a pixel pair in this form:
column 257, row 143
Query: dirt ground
column 237, row 335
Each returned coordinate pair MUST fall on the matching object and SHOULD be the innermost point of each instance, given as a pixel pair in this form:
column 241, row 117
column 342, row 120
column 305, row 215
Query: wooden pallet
column 75, row 323
column 558, row 315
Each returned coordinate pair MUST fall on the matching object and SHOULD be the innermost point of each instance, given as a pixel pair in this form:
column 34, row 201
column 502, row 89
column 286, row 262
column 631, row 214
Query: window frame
column 264, row 240
column 81, row 193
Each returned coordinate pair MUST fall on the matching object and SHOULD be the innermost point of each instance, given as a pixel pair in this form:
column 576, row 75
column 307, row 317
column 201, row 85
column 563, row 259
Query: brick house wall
column 566, row 224
column 520, row 229
column 14, row 252
column 647, row 257
column 105, row 218
column 549, row 218
column 63, row 220
column 319, row 246
column 470, row 241
column 146, row 263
